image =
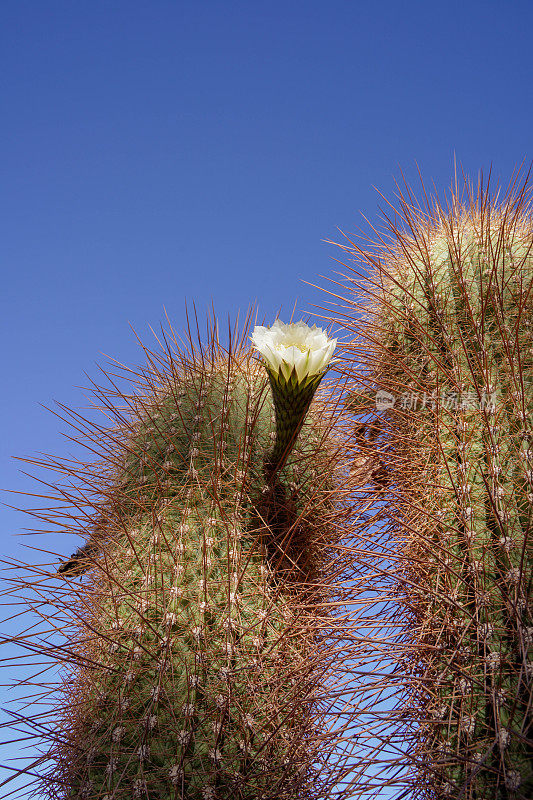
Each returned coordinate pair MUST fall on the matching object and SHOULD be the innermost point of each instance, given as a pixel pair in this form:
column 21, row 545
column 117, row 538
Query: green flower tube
column 296, row 358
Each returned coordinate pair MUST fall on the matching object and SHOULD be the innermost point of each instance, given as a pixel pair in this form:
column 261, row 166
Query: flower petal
column 294, row 346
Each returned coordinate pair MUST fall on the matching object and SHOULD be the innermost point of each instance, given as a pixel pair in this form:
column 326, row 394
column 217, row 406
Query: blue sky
column 157, row 152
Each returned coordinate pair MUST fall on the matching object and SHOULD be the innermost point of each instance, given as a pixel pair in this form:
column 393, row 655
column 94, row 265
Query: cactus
column 442, row 314
column 198, row 649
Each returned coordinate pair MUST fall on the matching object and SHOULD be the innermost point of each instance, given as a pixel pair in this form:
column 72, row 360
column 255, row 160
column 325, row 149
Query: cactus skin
column 448, row 334
column 196, row 642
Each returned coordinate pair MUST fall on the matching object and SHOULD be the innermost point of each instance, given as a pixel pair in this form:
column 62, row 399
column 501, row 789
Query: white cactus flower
column 294, row 346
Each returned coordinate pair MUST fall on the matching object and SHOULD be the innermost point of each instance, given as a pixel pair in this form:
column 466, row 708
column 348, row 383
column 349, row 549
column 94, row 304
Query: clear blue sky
column 156, row 151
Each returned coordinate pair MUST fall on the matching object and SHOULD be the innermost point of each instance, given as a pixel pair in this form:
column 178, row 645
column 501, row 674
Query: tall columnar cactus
column 198, row 639
column 444, row 385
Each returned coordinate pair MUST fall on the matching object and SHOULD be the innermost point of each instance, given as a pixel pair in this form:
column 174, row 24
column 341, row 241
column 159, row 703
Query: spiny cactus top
column 445, row 350
column 200, row 651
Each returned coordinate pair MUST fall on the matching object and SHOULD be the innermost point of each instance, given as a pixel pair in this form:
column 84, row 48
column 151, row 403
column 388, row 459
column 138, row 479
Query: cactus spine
column 446, row 341
column 198, row 642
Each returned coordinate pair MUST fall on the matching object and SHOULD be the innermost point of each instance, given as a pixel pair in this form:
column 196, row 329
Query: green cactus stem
column 446, row 339
column 198, row 651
